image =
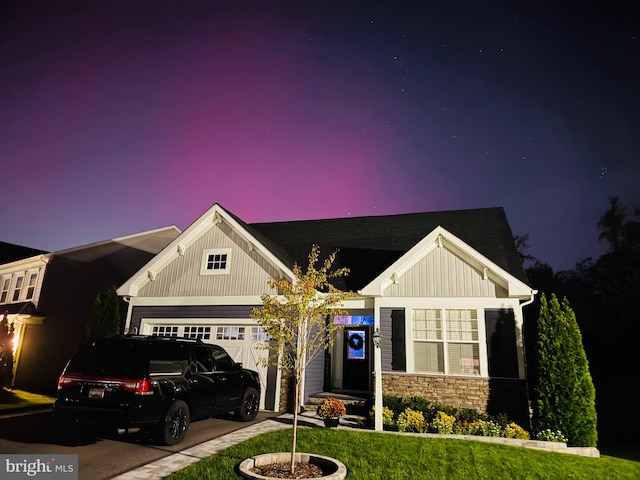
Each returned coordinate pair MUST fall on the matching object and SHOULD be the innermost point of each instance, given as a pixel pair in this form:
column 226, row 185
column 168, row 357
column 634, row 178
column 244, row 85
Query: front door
column 356, row 372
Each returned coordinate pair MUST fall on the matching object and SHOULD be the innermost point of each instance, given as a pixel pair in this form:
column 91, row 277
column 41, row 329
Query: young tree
column 565, row 395
column 104, row 318
column 297, row 321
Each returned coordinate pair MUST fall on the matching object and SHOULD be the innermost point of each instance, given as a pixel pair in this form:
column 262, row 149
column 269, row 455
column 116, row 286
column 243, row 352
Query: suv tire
column 175, row 423
column 250, row 405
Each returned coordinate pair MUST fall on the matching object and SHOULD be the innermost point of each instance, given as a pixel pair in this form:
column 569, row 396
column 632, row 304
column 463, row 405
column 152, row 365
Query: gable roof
column 177, row 247
column 368, row 245
column 150, row 241
column 10, row 252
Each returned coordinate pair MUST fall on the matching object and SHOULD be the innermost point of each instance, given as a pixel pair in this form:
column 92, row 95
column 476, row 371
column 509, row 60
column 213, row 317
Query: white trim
column 204, row 265
column 182, row 321
column 215, row 215
column 481, row 342
column 182, row 301
column 438, row 237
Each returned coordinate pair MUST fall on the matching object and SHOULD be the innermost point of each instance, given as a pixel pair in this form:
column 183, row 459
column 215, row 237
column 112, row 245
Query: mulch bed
column 283, row 470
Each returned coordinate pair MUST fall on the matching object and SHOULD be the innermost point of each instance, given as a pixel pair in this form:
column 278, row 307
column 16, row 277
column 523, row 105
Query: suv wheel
column 250, row 405
column 175, row 423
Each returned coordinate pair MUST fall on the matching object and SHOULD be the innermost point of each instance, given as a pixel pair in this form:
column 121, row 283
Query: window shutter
column 501, row 343
column 398, row 345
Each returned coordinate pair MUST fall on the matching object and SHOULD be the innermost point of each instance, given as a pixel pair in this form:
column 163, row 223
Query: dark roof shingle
column 368, row 245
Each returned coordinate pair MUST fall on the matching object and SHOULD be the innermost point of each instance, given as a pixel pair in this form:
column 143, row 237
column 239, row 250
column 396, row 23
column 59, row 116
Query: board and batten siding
column 248, row 273
column 441, row 273
column 314, row 377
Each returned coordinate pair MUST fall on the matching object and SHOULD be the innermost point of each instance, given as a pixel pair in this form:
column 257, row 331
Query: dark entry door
column 356, row 374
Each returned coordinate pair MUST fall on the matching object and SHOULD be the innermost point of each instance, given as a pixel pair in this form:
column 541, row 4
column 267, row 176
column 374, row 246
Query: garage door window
column 230, row 333
column 203, row 333
column 165, row 331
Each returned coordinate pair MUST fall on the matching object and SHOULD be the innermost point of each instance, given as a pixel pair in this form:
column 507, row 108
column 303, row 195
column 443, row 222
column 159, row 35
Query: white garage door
column 242, row 342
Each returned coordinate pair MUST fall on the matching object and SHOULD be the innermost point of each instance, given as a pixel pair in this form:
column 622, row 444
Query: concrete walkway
column 172, row 463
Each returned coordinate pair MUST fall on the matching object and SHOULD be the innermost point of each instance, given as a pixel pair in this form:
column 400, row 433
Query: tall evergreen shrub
column 104, row 318
column 565, row 393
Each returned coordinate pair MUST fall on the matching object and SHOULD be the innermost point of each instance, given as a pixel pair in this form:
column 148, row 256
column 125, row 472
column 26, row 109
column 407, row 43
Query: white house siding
column 443, row 274
column 314, row 377
column 248, row 272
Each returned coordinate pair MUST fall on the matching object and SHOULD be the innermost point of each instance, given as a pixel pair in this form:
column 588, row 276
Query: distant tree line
column 605, row 295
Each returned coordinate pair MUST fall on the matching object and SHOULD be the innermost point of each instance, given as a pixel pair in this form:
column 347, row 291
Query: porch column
column 377, row 371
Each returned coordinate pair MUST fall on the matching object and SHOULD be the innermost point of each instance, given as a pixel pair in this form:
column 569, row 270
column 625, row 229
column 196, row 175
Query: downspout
column 127, row 322
column 524, row 352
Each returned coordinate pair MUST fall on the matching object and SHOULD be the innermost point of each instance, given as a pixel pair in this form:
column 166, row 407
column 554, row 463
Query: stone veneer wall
column 286, row 394
column 490, row 396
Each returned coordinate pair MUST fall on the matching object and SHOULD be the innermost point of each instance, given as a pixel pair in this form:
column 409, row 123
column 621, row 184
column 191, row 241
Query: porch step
column 316, row 399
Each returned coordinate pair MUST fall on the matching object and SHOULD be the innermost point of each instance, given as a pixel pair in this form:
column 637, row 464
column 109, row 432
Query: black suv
column 154, row 383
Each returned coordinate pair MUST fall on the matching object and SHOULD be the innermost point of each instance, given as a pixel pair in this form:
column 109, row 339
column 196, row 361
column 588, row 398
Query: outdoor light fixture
column 376, row 337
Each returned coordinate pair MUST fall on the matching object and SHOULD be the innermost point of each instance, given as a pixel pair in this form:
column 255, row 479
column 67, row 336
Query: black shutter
column 501, row 343
column 398, row 344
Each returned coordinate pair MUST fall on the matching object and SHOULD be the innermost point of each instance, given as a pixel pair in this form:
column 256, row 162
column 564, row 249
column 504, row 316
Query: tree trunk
column 296, row 407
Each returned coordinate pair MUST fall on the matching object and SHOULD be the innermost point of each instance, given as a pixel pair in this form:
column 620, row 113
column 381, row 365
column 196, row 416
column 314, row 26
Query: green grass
column 13, row 399
column 371, row 455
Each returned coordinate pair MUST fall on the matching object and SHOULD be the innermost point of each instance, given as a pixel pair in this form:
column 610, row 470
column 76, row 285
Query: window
column 223, row 362
column 216, row 261
column 5, row 289
column 203, row 333
column 18, row 288
column 32, row 285
column 203, row 361
column 165, row 331
column 230, row 333
column 446, row 341
column 259, row 334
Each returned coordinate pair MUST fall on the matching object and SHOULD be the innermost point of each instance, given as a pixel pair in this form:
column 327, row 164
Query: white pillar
column 377, row 371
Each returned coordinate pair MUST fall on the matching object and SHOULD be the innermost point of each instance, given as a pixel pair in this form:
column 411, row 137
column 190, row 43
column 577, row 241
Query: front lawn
column 370, row 455
column 12, row 399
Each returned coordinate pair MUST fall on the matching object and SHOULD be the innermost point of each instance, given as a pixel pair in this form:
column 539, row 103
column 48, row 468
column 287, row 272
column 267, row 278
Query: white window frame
column 482, row 369
column 5, row 288
column 31, row 284
column 202, row 332
column 204, row 270
column 18, row 286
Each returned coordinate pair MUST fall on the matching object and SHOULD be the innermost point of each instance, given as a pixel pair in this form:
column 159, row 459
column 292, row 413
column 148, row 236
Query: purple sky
column 122, row 116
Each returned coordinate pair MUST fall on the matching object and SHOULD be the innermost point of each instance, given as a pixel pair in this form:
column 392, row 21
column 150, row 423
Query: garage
column 242, row 342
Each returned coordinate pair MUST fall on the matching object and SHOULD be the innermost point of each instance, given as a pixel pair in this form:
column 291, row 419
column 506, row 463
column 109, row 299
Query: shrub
column 470, row 415
column 461, row 427
column 565, row 395
column 549, row 435
column 486, row 428
column 411, row 421
column 476, row 428
column 443, row 423
column 387, row 416
column 394, row 403
column 514, row 430
column 420, row 404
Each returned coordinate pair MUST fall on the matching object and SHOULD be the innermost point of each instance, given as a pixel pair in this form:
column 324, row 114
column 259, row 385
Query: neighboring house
column 444, row 291
column 48, row 298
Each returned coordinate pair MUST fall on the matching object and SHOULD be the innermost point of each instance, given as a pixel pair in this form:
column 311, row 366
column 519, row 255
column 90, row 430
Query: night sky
column 122, row 116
